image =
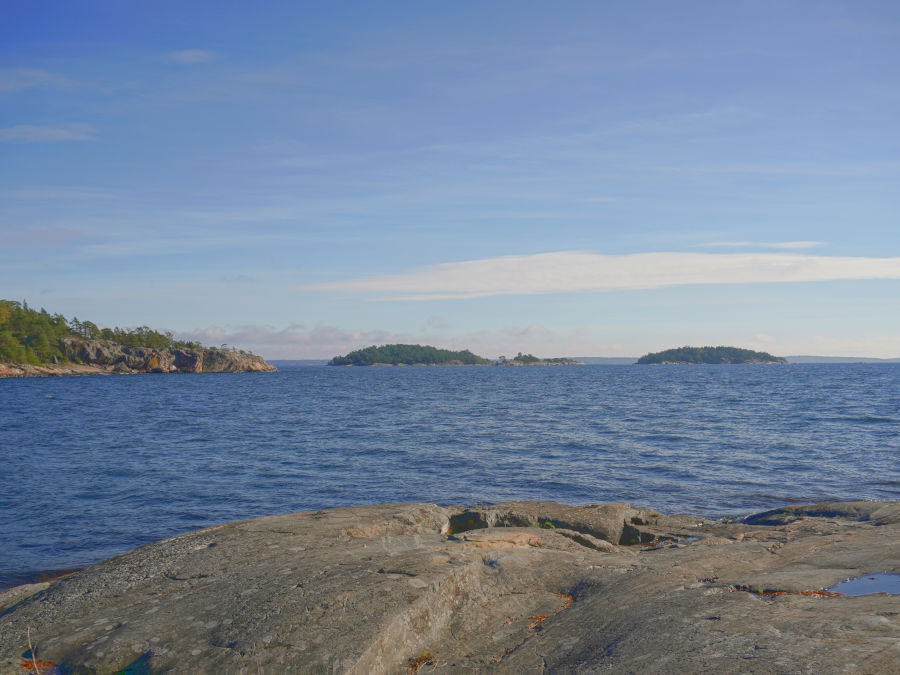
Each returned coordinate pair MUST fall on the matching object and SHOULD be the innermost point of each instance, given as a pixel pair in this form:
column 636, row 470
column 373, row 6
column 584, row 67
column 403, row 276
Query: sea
column 95, row 466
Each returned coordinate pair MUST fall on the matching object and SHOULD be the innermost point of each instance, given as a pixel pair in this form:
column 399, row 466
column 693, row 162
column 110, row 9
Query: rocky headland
column 92, row 357
column 518, row 587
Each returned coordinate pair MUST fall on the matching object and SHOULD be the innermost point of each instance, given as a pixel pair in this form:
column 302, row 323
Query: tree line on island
column 409, row 355
column 413, row 355
column 709, row 355
column 33, row 337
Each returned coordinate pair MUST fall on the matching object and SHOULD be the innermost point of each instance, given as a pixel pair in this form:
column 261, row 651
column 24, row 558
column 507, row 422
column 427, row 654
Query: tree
column 10, row 349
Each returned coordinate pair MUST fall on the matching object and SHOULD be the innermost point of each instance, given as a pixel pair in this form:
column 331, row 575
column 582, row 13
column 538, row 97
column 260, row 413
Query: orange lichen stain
column 568, row 601
column 822, row 594
column 414, row 665
column 537, row 620
column 499, row 657
column 30, row 664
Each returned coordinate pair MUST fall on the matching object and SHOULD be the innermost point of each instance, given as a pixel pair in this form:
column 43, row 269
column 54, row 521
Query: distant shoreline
column 631, row 360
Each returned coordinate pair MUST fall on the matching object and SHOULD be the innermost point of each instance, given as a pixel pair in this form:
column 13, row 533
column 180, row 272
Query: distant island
column 709, row 355
column 529, row 360
column 408, row 355
column 36, row 343
column 419, row 355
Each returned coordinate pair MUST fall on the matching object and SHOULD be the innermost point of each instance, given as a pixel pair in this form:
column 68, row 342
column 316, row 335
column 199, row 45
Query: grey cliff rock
column 519, row 587
column 122, row 358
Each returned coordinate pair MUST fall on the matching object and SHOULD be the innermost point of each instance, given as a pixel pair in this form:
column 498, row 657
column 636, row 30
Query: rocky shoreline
column 102, row 357
column 516, row 587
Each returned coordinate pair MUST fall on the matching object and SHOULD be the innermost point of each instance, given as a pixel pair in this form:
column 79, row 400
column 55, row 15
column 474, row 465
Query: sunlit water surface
column 94, row 466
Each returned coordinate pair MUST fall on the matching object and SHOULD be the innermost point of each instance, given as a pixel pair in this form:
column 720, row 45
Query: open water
column 94, row 466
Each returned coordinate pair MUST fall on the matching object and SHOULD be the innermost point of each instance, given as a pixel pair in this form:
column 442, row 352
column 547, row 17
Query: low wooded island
column 425, row 355
column 40, row 344
column 530, row 360
column 708, row 355
column 408, row 355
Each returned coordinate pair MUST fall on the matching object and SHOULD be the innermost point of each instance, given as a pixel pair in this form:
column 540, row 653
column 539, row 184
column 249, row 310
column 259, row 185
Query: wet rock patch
column 867, row 584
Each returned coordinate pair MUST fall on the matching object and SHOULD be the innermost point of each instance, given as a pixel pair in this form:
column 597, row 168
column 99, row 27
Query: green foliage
column 10, row 349
column 710, row 355
column 29, row 336
column 521, row 359
column 405, row 354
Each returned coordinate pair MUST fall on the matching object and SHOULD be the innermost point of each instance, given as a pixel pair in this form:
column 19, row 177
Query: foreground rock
column 519, row 587
column 92, row 357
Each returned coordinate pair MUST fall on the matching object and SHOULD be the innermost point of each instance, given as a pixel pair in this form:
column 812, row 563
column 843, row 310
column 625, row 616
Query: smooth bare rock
column 399, row 588
column 49, row 370
column 603, row 521
column 16, row 594
column 877, row 512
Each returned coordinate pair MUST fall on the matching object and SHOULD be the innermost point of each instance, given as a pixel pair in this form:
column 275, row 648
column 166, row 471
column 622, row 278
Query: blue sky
column 568, row 179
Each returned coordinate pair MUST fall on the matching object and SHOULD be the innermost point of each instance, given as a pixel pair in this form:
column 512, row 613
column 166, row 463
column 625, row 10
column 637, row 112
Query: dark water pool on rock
column 94, row 466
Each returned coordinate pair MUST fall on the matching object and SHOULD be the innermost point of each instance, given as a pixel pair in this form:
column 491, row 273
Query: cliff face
column 124, row 359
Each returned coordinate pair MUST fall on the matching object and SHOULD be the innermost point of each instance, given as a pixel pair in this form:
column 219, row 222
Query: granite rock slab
column 518, row 587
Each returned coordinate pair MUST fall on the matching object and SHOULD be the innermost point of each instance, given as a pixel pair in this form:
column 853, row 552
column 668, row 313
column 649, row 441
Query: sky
column 302, row 179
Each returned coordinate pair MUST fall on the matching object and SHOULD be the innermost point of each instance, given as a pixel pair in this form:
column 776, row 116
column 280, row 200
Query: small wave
column 879, row 420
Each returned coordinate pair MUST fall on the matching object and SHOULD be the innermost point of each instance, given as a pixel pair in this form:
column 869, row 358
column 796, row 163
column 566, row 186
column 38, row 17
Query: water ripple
column 100, row 465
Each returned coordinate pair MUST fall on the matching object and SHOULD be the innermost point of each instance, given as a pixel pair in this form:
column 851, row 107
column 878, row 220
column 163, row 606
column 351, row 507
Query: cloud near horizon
column 323, row 341
column 782, row 245
column 576, row 271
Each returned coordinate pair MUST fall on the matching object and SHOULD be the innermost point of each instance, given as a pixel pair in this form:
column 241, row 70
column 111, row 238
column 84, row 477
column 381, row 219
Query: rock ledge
column 515, row 587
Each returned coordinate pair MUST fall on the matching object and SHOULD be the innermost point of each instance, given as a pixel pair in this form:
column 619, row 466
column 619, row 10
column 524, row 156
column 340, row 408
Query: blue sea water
column 94, row 466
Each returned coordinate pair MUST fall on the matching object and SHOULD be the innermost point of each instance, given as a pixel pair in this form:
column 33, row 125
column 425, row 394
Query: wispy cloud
column 31, row 133
column 783, row 245
column 39, row 236
column 874, row 167
column 60, row 192
column 17, row 79
column 191, row 56
column 324, row 341
column 573, row 271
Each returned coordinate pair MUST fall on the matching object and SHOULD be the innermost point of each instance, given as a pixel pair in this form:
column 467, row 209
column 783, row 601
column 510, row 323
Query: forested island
column 419, row 355
column 709, row 355
column 37, row 343
column 408, row 355
column 521, row 359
